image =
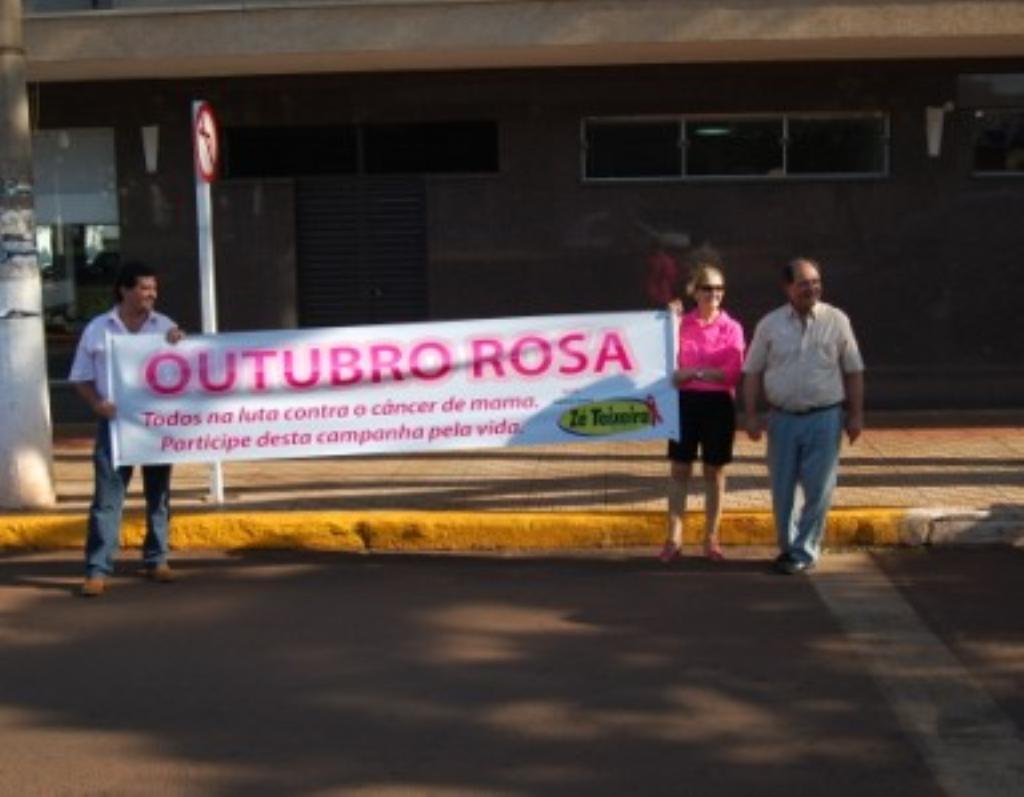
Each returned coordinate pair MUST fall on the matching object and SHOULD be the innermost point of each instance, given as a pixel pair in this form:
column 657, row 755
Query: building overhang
column 236, row 39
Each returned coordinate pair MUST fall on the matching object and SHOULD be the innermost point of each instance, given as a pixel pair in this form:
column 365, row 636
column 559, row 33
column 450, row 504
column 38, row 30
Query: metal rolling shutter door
column 361, row 245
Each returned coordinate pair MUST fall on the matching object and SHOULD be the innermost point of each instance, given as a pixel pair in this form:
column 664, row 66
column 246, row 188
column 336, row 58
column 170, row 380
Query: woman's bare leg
column 714, row 492
column 678, row 485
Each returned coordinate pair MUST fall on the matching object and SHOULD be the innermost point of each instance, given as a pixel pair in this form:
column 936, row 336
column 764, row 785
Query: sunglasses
column 710, row 288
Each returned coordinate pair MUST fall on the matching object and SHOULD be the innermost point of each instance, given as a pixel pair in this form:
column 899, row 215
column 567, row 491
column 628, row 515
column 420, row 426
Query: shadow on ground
column 385, row 675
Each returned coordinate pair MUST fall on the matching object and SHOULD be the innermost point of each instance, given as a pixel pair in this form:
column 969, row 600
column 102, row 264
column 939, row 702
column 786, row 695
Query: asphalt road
column 884, row 673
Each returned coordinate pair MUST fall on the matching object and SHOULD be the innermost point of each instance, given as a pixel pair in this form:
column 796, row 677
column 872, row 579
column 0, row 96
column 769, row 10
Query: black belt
column 809, row 410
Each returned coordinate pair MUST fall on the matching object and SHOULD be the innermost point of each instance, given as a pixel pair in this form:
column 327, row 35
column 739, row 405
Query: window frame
column 682, row 120
column 987, row 174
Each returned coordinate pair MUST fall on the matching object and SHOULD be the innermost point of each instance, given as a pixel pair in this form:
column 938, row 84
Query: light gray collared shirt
column 803, row 364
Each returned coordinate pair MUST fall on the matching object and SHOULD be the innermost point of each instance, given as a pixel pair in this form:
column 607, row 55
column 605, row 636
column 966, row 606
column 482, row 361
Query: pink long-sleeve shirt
column 719, row 344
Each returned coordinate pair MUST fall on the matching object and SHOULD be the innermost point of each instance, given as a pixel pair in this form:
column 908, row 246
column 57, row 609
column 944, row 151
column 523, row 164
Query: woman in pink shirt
column 710, row 357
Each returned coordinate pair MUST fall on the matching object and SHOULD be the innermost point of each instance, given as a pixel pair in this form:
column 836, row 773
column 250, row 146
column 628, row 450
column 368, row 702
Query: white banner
column 386, row 389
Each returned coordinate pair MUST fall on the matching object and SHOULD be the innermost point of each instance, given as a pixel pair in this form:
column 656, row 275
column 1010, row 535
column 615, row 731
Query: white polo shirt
column 90, row 363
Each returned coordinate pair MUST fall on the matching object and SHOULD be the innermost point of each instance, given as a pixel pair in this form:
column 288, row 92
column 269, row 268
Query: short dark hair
column 789, row 270
column 128, row 276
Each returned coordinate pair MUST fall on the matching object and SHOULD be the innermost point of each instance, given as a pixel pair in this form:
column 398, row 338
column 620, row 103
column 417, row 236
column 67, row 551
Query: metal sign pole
column 207, row 281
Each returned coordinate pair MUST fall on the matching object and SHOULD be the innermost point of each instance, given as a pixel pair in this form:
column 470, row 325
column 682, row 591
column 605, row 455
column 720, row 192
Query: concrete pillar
column 26, row 451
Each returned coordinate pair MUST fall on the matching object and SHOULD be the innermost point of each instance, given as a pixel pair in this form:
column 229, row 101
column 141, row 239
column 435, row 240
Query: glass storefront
column 77, row 232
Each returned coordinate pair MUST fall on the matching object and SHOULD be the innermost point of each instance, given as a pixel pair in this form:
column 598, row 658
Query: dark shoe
column 782, row 562
column 792, row 567
column 92, row 587
column 162, row 574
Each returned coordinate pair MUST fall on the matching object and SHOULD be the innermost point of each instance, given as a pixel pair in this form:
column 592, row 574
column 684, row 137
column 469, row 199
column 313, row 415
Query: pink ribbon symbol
column 652, row 407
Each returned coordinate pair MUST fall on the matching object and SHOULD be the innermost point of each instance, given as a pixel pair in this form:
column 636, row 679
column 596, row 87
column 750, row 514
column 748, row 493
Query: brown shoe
column 162, row 574
column 92, row 588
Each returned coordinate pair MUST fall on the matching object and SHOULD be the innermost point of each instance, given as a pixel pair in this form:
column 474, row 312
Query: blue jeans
column 803, row 450
column 109, row 490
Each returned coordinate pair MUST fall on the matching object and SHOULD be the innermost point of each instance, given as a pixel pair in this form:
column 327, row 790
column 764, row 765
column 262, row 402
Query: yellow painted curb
column 443, row 531
column 848, row 528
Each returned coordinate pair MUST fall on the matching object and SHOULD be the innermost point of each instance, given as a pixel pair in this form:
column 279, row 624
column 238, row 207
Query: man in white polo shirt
column 135, row 292
column 807, row 357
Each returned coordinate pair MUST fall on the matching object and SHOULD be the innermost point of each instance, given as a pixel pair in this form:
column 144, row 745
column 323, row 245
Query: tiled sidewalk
column 965, row 467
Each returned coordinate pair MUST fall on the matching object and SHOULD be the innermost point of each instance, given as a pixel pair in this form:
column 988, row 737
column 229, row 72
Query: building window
column 289, row 151
column 461, row 147
column 836, row 145
column 994, row 90
column 431, row 148
column 77, row 233
column 78, row 263
column 629, row 149
column 999, row 142
column 723, row 147
column 60, row 6
column 734, row 147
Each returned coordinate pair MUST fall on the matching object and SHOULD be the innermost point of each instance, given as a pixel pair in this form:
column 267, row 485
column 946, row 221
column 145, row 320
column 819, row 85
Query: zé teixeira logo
column 609, row 417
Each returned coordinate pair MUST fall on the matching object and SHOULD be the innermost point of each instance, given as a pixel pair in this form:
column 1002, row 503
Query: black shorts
column 707, row 420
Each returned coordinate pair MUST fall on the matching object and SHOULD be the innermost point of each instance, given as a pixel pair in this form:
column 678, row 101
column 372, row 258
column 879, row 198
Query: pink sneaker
column 714, row 553
column 669, row 553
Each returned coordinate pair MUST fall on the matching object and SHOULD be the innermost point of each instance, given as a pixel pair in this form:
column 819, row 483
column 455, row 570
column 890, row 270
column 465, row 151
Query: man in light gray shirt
column 807, row 357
